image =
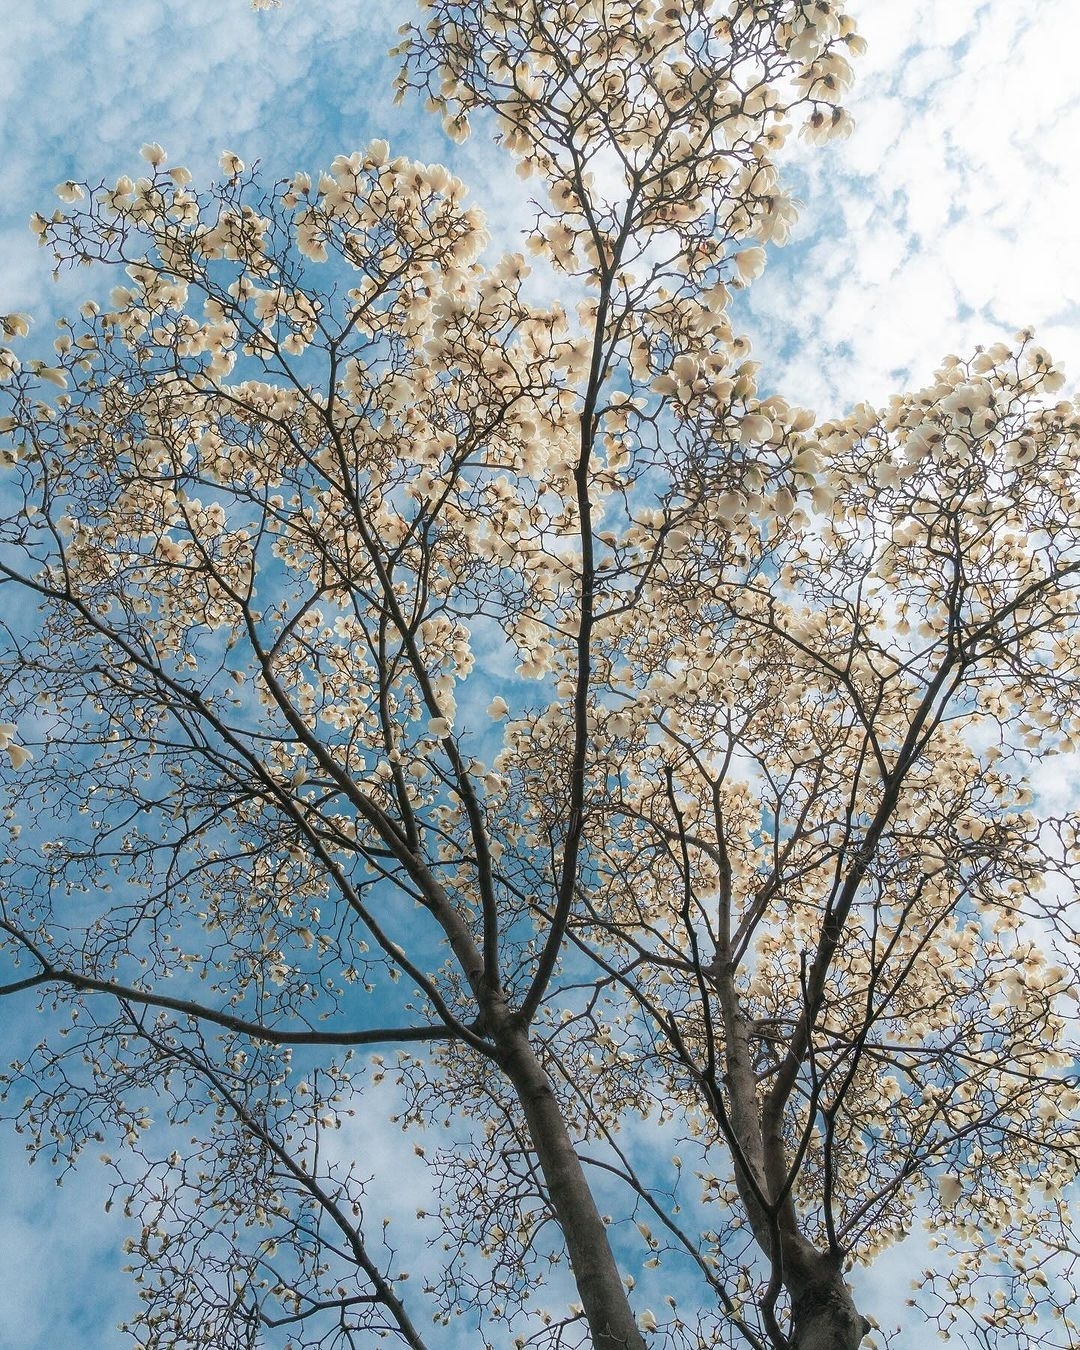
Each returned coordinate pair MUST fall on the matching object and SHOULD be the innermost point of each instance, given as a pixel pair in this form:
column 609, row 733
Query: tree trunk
column 823, row 1313
column 603, row 1294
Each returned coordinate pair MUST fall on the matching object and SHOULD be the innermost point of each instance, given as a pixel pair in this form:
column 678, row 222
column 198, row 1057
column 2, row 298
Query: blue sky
column 948, row 219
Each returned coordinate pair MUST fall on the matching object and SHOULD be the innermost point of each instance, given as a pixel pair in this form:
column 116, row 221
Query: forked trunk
column 823, row 1313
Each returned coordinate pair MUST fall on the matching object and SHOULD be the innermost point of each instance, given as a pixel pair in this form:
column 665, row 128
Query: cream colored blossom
column 750, row 263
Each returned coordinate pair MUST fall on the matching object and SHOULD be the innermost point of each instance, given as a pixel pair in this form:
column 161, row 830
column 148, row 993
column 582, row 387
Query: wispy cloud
column 948, row 219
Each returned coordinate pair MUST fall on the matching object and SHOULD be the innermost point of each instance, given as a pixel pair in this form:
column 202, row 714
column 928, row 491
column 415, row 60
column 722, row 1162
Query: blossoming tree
column 401, row 664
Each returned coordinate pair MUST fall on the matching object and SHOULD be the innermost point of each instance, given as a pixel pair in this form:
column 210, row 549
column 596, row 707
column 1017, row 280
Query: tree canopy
column 464, row 675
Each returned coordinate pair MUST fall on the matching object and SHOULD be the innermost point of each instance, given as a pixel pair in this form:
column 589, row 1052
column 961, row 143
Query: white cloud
column 948, row 219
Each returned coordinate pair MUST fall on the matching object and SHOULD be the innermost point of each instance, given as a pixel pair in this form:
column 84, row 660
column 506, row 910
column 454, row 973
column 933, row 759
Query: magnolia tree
column 413, row 679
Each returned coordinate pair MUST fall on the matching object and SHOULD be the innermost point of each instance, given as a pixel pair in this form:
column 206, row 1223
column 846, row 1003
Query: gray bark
column 823, row 1312
column 603, row 1294
column 824, row 1316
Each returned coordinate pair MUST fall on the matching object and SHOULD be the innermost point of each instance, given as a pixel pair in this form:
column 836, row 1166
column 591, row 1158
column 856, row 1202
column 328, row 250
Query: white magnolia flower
column 949, row 1189
column 754, row 427
column 783, row 502
column 378, row 153
column 750, row 263
column 498, row 707
column 17, row 754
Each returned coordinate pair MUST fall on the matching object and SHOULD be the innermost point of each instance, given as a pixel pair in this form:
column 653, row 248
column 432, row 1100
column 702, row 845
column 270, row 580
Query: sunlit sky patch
column 946, row 221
